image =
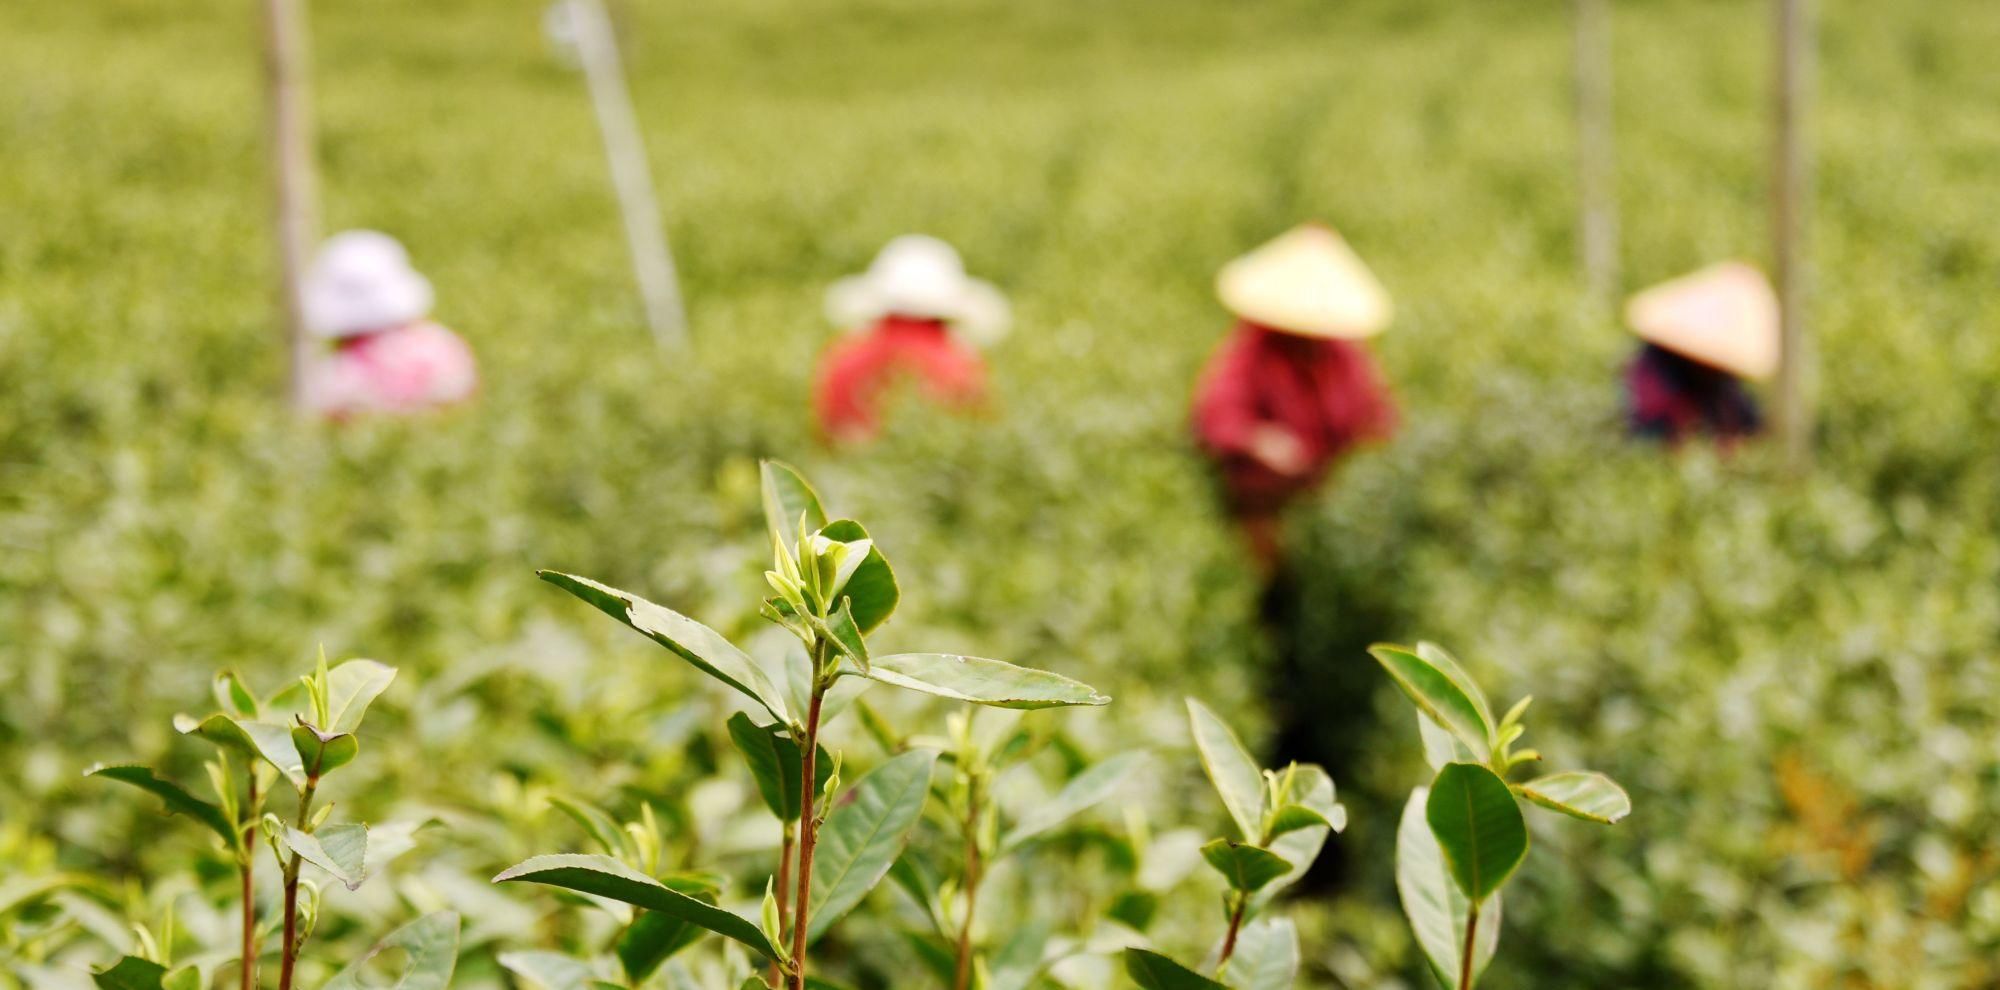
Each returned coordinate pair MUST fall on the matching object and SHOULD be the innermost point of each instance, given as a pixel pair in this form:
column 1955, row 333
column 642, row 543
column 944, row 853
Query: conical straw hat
column 1307, row 282
column 1725, row 316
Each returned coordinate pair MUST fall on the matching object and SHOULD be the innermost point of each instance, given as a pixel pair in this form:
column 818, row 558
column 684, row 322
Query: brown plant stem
column 290, row 956
column 1235, row 927
column 1465, row 955
column 784, row 886
column 964, row 976
column 248, row 978
column 809, row 831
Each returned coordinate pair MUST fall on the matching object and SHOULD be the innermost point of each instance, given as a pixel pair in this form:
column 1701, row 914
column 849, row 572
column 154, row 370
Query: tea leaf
column 1440, row 746
column 863, row 837
column 1437, row 656
column 607, row 877
column 1433, row 903
column 1436, row 694
column 321, row 753
column 1293, row 817
column 1267, row 956
column 840, row 630
column 340, row 849
column 699, row 645
column 1152, row 971
column 980, row 681
column 1235, row 775
column 1247, row 868
column 787, row 497
column 774, row 763
column 598, row 825
column 869, row 583
column 553, row 970
column 176, row 798
column 650, row 940
column 1083, row 791
column 130, row 973
column 1590, row 796
column 351, row 688
column 1478, row 827
column 431, row 947
column 234, row 695
column 257, row 740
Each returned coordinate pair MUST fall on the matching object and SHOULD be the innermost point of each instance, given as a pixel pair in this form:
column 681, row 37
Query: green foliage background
column 1794, row 678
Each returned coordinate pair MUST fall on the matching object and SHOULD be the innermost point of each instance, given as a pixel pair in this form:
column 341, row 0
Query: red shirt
column 858, row 372
column 1327, row 394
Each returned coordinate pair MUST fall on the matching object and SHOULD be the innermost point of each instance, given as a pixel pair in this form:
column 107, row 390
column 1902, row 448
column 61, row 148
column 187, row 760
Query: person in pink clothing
column 386, row 356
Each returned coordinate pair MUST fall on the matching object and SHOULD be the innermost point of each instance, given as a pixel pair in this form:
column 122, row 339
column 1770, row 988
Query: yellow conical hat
column 1724, row 315
column 1307, row 282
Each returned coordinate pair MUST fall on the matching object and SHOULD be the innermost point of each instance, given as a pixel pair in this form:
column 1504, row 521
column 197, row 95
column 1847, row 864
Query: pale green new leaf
column 607, row 877
column 1437, row 656
column 979, row 680
column 176, row 797
column 321, row 753
column 351, row 688
column 430, row 947
column 341, row 849
column 1478, row 826
column 868, row 582
column 1247, row 868
column 258, row 740
column 1313, row 790
column 1152, row 971
column 1583, row 794
column 1267, row 956
column 787, row 497
column 699, row 645
column 599, row 826
column 1440, row 746
column 1083, row 791
column 1235, row 775
column 552, row 970
column 1436, row 694
column 863, row 836
column 1432, row 901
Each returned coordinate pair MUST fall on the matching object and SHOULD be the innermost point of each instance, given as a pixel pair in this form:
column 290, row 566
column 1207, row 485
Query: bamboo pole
column 652, row 262
column 1597, row 203
column 1791, row 191
column 289, row 127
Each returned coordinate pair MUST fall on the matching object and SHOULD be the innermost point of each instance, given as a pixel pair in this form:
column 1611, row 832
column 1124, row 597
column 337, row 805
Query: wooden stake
column 652, row 263
column 1597, row 203
column 289, row 136
column 1791, row 191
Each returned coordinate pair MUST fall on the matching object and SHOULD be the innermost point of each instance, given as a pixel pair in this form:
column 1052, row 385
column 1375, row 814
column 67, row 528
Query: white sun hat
column 921, row 276
column 362, row 281
column 1724, row 316
column 1306, row 282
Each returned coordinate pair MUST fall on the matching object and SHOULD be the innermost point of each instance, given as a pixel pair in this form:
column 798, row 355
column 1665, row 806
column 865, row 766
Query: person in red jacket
column 1292, row 388
column 914, row 317
column 1704, row 334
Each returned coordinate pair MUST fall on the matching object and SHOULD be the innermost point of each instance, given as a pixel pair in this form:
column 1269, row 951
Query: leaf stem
column 290, row 957
column 809, row 821
column 784, row 886
column 248, row 979
column 1465, row 954
column 1235, row 926
column 972, row 876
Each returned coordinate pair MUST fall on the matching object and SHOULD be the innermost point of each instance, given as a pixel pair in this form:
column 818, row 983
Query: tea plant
column 1283, row 818
column 833, row 587
column 1462, row 837
column 255, row 749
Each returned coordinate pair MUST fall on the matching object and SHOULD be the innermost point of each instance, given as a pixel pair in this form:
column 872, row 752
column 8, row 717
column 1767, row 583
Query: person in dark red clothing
column 1291, row 390
column 915, row 318
column 1704, row 334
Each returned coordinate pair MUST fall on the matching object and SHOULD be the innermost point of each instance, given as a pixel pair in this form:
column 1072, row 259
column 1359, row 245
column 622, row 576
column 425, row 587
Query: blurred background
column 1794, row 675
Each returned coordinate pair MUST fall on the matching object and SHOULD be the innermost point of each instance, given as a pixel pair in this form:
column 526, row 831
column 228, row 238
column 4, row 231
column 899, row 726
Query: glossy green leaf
column 1432, row 901
column 787, row 497
column 651, row 939
column 1293, row 817
column 341, row 849
column 1313, row 790
column 351, row 688
column 699, row 645
column 1266, row 957
column 1152, row 971
column 430, row 947
column 1235, row 775
column 174, row 796
column 1478, row 826
column 1084, row 790
column 980, row 681
column 869, row 583
column 130, row 973
column 550, row 970
column 607, row 877
column 1437, row 694
column 257, row 740
column 233, row 695
column 1583, row 794
column 774, row 762
column 1440, row 746
column 1247, row 868
column 841, row 630
column 863, row 836
column 601, row 827
column 321, row 753
column 1437, row 656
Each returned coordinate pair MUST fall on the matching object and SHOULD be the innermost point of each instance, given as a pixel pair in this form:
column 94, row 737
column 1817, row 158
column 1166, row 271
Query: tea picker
column 385, row 355
column 915, row 316
column 1704, row 334
column 581, row 30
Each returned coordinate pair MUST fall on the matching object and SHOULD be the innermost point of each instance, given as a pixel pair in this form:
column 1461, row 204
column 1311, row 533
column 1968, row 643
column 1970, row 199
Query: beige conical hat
column 1724, row 315
column 1307, row 282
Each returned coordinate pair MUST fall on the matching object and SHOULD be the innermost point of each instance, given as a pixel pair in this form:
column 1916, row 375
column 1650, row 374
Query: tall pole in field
column 1791, row 191
column 652, row 263
column 289, row 135
column 1597, row 204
